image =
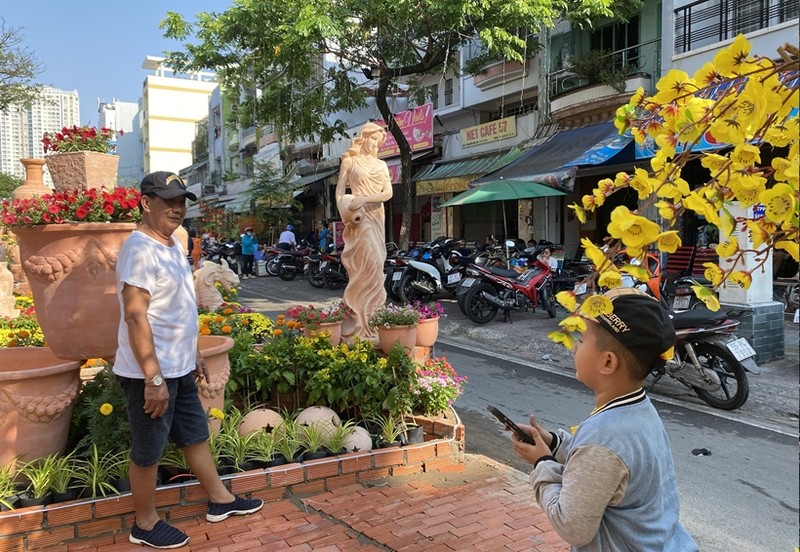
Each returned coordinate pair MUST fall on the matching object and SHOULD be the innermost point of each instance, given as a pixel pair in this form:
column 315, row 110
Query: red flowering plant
column 119, row 205
column 437, row 386
column 75, row 138
column 311, row 316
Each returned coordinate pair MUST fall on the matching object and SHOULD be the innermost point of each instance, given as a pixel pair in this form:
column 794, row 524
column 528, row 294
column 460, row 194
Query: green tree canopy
column 8, row 184
column 304, row 55
column 18, row 68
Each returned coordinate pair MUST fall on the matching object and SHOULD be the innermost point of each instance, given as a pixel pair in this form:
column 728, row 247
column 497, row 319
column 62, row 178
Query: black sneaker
column 239, row 507
column 162, row 535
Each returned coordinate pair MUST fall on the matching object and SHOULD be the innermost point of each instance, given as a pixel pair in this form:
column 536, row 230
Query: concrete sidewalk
column 479, row 505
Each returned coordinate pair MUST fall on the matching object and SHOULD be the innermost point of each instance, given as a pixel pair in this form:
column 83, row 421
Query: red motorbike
column 487, row 290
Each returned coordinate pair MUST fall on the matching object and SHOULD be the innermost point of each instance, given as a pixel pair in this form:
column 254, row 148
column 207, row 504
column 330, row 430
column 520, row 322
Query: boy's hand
column 530, row 453
column 542, row 431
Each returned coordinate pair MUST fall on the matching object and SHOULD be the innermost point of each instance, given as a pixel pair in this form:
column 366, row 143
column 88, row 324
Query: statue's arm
column 344, row 175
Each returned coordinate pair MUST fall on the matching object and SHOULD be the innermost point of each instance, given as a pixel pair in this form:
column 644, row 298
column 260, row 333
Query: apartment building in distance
column 21, row 129
column 124, row 116
column 170, row 106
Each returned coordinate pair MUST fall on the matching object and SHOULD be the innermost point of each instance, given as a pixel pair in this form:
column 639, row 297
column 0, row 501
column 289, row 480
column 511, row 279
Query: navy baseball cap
column 165, row 185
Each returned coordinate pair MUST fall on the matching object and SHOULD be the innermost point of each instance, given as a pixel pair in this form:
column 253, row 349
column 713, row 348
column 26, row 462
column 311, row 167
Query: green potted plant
column 336, row 439
column 174, row 466
column 63, row 483
column 395, row 324
column 96, row 471
column 436, row 386
column 239, row 450
column 597, row 67
column 119, row 473
column 8, row 491
column 265, row 450
column 390, row 429
column 287, row 441
column 39, row 476
column 313, row 437
column 325, row 320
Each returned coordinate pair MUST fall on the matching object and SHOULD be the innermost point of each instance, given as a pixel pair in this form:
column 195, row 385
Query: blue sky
column 95, row 47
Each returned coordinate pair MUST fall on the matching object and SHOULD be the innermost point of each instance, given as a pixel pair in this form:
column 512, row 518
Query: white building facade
column 123, row 116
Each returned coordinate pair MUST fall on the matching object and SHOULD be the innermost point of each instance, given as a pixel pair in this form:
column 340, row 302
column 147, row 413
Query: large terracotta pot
column 406, row 335
column 71, row 272
column 83, row 170
column 37, row 394
column 427, row 332
column 334, row 329
column 214, row 349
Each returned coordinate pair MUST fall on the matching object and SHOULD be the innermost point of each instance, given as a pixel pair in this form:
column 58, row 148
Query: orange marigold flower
column 228, row 311
column 226, row 329
column 277, row 332
column 205, row 330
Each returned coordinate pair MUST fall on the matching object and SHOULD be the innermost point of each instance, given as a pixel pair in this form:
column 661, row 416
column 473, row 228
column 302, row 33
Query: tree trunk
column 409, row 190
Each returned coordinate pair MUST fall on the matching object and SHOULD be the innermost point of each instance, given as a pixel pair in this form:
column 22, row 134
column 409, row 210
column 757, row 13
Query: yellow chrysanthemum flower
column 106, row 409
column 728, row 247
column 669, row 241
column 780, row 203
column 563, row 338
column 573, row 323
column 713, row 273
column 595, row 305
column 567, row 299
column 633, row 230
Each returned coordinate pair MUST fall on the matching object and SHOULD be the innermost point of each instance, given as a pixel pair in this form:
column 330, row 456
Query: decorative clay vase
column 34, row 181
column 214, row 349
column 427, row 332
column 37, row 394
column 334, row 329
column 405, row 335
column 71, row 272
column 83, row 170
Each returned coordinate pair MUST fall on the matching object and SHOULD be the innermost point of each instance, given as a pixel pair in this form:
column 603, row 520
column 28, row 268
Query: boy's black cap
column 166, row 185
column 641, row 324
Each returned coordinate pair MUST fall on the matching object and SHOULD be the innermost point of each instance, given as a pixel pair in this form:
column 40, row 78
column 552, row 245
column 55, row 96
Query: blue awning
column 557, row 161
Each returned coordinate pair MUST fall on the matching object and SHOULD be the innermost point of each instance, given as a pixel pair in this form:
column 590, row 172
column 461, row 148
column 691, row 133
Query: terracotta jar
column 34, row 183
column 427, row 332
column 83, row 170
column 214, row 349
column 406, row 335
column 334, row 329
column 71, row 272
column 37, row 394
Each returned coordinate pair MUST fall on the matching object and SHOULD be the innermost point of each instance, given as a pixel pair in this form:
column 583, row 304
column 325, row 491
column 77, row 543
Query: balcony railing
column 709, row 21
column 641, row 58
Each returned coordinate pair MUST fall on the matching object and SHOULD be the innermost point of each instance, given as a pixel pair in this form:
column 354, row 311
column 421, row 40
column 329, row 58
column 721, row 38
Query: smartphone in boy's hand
column 523, row 436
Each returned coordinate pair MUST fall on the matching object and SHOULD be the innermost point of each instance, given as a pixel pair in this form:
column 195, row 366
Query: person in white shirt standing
column 158, row 362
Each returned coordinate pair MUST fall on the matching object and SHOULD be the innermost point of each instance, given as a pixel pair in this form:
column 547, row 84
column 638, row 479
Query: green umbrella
column 500, row 190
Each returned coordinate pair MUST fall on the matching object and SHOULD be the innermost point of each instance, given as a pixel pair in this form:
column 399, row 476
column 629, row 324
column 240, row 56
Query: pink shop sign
column 416, row 125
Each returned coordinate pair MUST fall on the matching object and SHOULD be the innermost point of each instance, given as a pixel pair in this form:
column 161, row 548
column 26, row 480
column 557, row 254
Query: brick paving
column 479, row 506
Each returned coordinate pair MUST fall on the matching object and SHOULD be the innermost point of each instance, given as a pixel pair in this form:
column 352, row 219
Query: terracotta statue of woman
column 364, row 254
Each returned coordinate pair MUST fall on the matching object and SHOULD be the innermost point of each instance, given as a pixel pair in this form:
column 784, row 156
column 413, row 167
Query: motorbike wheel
column 315, row 276
column 734, row 388
column 406, row 290
column 390, row 294
column 272, row 266
column 477, row 308
column 286, row 273
column 333, row 280
column 548, row 301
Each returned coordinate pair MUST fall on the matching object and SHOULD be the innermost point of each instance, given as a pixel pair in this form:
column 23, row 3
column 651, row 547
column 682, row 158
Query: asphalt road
column 741, row 496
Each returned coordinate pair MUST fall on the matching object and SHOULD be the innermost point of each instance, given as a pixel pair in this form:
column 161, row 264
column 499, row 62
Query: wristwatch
column 156, row 380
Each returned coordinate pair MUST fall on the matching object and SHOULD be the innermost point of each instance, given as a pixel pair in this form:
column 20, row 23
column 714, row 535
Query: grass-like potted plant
column 96, row 471
column 313, row 438
column 63, row 483
column 336, row 439
column 8, row 491
column 39, row 476
column 174, row 467
column 395, row 324
column 390, row 429
column 265, row 449
column 287, row 440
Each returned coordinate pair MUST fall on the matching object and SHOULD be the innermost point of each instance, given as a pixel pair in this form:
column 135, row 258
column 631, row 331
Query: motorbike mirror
column 510, row 243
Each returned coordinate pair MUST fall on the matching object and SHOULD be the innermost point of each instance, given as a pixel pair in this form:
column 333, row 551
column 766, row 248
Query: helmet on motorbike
column 290, row 228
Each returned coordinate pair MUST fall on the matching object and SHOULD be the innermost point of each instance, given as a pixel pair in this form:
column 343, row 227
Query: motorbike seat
column 694, row 318
column 505, row 272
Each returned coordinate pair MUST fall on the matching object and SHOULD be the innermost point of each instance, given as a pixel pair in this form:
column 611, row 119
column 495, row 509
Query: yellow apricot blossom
column 669, row 241
column 713, row 273
column 637, row 271
column 594, row 254
column 573, row 323
column 728, row 247
column 675, row 84
column 579, row 212
column 745, row 196
column 780, row 203
column 589, row 202
column 746, row 154
column 667, row 211
column 642, row 183
column 706, row 75
column 707, row 296
column 562, row 337
column 715, row 162
column 740, row 277
column 760, row 232
column 621, row 179
column 568, row 300
column 610, row 279
column 752, row 103
column 633, row 230
column 734, row 60
column 791, row 247
column 596, row 305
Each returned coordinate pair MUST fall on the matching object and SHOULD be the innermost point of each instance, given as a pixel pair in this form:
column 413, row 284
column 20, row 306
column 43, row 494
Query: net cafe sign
column 489, row 132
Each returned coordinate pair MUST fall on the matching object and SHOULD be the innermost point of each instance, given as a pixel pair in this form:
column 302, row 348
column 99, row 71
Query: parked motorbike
column 486, row 290
column 222, row 251
column 291, row 263
column 334, row 275
column 437, row 272
column 709, row 359
column 271, row 259
column 312, row 271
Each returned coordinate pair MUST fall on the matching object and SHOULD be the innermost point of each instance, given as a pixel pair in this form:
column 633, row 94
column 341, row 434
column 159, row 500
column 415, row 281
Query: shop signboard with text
column 416, row 125
column 489, row 132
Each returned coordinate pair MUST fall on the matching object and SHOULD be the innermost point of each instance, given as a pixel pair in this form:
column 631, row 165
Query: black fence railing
column 708, row 21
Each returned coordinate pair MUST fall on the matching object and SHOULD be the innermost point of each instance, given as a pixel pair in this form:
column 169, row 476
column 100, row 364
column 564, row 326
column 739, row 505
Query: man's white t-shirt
column 164, row 273
column 287, row 236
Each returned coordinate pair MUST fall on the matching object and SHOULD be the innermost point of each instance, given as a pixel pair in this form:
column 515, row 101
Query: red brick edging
column 39, row 527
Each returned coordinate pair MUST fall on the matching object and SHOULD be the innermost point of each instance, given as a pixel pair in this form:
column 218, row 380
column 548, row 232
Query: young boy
column 610, row 484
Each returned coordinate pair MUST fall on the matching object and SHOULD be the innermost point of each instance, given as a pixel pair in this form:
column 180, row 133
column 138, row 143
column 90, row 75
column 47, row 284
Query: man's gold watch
column 156, row 380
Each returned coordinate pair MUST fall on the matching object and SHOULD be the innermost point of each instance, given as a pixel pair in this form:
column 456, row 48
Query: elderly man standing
column 158, row 362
